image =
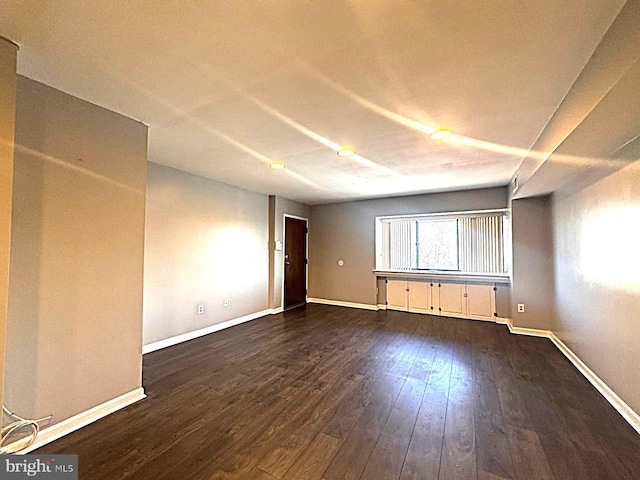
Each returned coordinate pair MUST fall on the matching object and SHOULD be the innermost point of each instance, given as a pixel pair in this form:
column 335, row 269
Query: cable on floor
column 18, row 424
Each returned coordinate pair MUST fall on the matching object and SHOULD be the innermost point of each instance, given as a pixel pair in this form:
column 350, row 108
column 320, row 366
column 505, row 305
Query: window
column 437, row 245
column 464, row 242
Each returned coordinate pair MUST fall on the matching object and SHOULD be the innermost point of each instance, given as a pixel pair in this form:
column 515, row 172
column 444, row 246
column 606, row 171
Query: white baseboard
column 382, row 307
column 168, row 342
column 616, row 402
column 531, row 332
column 80, row 420
column 630, row 415
column 338, row 303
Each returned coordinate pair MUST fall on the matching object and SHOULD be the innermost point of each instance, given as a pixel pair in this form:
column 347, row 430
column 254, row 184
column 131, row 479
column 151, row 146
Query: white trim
column 397, row 308
column 80, row 420
column 380, row 243
column 426, row 275
column 444, row 214
column 630, row 415
column 481, row 318
column 168, row 342
column 531, row 332
column 419, row 310
column 607, row 392
column 294, row 216
column 284, row 252
column 87, row 417
column 338, row 303
column 616, row 402
column 382, row 307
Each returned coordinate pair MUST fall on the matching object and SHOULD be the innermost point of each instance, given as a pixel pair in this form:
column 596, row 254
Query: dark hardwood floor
column 336, row 393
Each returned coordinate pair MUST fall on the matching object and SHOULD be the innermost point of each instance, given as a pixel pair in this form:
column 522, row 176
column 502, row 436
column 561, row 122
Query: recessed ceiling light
column 346, row 152
column 440, row 134
column 277, row 165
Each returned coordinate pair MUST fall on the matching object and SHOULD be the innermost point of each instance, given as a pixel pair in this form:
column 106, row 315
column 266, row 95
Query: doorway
column 295, row 262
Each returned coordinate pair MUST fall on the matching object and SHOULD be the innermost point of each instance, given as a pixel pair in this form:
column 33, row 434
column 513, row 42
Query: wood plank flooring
column 331, row 393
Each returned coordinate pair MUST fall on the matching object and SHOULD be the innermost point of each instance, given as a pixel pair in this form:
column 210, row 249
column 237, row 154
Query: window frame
column 382, row 243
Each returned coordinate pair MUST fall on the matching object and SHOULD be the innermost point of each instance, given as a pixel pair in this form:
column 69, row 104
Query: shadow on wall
column 21, row 357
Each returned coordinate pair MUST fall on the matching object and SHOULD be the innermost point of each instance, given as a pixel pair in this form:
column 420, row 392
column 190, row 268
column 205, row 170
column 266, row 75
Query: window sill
column 440, row 275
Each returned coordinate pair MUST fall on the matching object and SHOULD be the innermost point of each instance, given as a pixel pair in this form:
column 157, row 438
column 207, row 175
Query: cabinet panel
column 452, row 299
column 419, row 297
column 480, row 302
column 397, row 295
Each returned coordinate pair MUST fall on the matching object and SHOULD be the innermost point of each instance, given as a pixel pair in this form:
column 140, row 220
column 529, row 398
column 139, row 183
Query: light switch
column 278, row 245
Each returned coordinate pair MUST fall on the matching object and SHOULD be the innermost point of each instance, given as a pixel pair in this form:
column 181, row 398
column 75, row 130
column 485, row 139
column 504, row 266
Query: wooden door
column 481, row 302
column 420, row 297
column 295, row 262
column 452, row 300
column 397, row 295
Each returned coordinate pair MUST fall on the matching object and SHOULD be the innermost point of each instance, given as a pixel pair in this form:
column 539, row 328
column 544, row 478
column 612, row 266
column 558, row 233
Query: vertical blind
column 402, row 245
column 480, row 243
column 481, row 247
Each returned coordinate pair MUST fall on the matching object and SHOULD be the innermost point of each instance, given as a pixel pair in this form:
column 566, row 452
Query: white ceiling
column 227, row 86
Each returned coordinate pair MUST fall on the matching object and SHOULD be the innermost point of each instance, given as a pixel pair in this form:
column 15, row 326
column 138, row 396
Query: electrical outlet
column 201, row 309
column 225, row 303
column 521, row 308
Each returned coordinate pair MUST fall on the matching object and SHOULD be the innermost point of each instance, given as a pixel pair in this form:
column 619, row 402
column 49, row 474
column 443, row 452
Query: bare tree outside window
column 437, row 244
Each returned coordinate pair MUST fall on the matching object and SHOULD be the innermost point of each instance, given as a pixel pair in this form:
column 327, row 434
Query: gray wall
column 533, row 279
column 74, row 331
column 503, row 301
column 346, row 231
column 205, row 241
column 7, row 126
column 278, row 207
column 597, row 265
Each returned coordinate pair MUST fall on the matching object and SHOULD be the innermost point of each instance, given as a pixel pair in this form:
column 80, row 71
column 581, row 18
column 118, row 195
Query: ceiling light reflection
column 440, row 134
column 346, row 152
column 317, row 137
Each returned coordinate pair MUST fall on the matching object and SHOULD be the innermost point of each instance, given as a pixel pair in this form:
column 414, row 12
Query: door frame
column 284, row 250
